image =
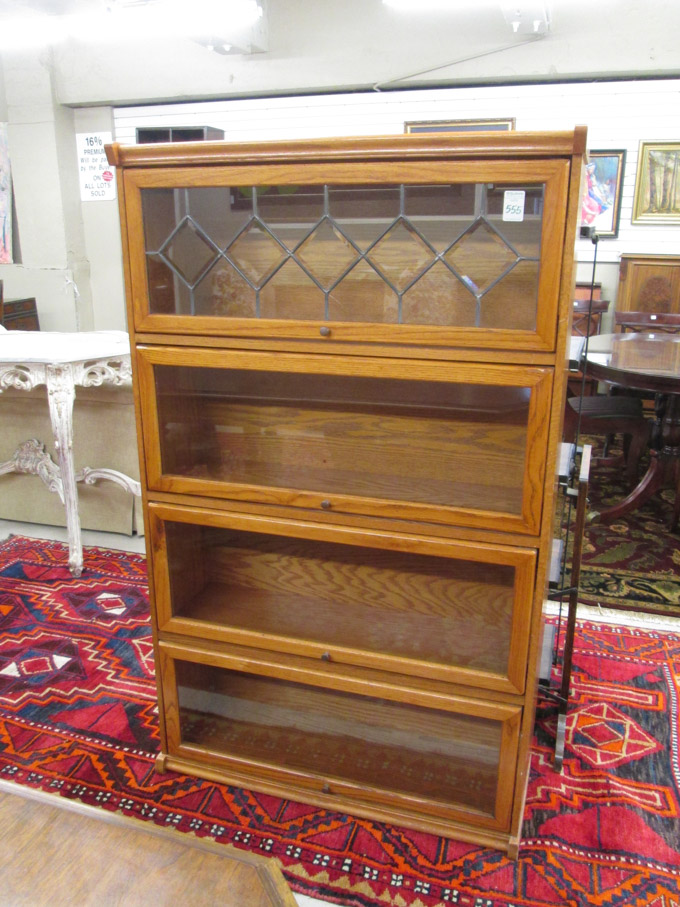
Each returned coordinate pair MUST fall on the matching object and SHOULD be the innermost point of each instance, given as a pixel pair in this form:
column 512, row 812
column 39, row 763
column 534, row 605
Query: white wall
column 68, row 253
column 102, row 237
column 41, row 146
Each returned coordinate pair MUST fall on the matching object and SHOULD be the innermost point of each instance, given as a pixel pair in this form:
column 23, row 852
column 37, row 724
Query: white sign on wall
column 97, row 177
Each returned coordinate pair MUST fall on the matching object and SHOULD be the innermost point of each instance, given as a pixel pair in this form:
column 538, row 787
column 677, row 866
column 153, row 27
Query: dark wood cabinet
column 349, row 363
column 20, row 315
column 649, row 283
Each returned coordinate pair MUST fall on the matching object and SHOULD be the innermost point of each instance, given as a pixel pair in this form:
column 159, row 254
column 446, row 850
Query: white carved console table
column 62, row 362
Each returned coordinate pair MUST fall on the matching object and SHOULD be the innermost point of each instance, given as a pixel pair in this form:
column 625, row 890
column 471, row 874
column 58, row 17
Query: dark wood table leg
column 662, row 466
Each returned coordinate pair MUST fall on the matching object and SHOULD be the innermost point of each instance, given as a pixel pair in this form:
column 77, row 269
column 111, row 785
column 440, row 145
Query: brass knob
column 325, row 331
column 326, row 504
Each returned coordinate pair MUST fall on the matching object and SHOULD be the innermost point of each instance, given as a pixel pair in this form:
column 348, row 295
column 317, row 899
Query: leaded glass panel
column 452, row 254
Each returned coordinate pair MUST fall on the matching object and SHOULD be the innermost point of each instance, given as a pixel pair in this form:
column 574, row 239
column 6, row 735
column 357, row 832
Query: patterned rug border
column 596, row 614
column 13, row 537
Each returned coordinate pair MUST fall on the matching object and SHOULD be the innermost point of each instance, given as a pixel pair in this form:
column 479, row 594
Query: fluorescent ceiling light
column 425, row 6
column 156, row 19
column 26, row 32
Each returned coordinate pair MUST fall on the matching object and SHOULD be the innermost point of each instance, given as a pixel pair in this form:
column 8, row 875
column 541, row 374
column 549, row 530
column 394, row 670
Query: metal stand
column 575, row 489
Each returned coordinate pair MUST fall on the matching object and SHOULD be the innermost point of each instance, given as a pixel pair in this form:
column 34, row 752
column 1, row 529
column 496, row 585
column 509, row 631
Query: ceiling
column 326, row 45
column 49, row 7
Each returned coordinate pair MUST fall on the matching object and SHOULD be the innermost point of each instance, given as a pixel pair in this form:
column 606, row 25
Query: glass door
column 433, row 757
column 455, row 443
column 455, row 611
column 444, row 254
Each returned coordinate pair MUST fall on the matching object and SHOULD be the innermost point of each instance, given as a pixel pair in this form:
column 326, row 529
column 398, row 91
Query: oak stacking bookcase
column 349, row 365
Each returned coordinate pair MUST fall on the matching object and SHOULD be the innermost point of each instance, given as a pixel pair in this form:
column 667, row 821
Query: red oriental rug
column 78, row 718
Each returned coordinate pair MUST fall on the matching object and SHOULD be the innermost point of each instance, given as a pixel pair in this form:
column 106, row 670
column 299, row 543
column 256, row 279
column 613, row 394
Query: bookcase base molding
column 404, row 818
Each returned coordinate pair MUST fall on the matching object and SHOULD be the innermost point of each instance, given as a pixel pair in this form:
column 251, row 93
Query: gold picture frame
column 657, row 184
column 461, row 126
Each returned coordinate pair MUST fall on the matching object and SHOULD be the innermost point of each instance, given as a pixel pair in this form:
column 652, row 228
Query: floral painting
column 601, row 208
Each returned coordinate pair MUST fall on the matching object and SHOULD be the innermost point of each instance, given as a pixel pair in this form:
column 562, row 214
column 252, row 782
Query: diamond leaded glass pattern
column 401, row 255
column 256, row 253
column 481, row 256
column 189, row 251
column 430, row 254
column 326, row 254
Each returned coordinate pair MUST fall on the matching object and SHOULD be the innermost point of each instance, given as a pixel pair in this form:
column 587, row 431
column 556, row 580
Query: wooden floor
column 55, row 852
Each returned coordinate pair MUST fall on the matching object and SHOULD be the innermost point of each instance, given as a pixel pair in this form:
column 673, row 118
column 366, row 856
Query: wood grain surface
column 61, row 852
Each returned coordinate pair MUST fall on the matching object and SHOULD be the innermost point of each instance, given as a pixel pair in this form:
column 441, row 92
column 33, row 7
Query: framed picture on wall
column 460, row 126
column 657, row 184
column 601, row 206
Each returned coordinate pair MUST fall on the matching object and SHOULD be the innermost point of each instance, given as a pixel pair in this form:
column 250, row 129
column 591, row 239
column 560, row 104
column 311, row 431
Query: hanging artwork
column 601, row 207
column 461, row 126
column 657, row 185
column 5, row 200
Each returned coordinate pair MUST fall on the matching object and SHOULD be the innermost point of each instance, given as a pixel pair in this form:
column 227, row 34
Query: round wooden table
column 645, row 362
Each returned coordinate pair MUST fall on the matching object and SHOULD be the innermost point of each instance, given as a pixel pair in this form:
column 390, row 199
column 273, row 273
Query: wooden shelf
column 411, row 635
column 463, row 438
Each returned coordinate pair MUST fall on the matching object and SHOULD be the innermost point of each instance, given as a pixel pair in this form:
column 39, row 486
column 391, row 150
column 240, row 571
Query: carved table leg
column 31, row 458
column 61, row 394
column 661, row 465
column 92, row 476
